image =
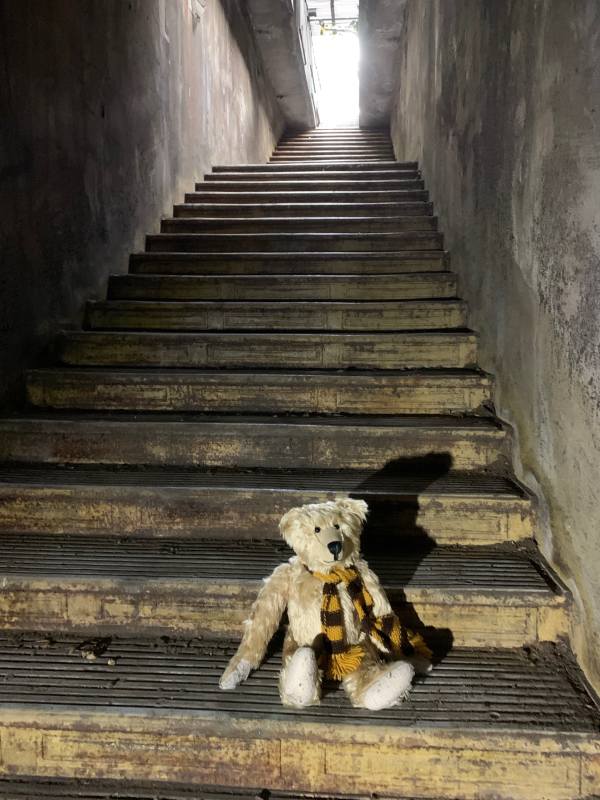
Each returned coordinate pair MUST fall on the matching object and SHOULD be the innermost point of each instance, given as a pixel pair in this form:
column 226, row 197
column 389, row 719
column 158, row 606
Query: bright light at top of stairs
column 336, row 56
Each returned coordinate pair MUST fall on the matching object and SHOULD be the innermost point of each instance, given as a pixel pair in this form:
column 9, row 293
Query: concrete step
column 342, row 136
column 300, row 224
column 341, row 147
column 283, row 442
column 316, row 175
column 105, row 585
column 316, row 392
column 306, row 350
column 288, row 263
column 334, row 152
column 410, row 499
column 293, row 242
column 332, row 158
column 518, row 722
column 210, row 194
column 402, row 286
column 277, row 315
column 352, row 166
column 307, row 210
column 314, row 185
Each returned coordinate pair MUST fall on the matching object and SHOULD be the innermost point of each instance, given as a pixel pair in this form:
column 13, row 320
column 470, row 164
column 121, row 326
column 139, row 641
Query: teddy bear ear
column 289, row 519
column 357, row 507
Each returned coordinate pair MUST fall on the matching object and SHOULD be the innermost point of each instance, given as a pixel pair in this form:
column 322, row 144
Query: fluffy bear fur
column 310, row 531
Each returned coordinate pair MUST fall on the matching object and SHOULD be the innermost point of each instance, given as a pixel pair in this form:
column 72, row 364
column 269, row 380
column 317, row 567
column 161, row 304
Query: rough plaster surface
column 279, row 26
column 501, row 104
column 379, row 29
column 110, row 110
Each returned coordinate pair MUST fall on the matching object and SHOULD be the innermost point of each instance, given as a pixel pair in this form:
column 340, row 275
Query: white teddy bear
column 341, row 624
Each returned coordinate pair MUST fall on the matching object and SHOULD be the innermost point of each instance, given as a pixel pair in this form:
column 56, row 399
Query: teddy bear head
column 325, row 535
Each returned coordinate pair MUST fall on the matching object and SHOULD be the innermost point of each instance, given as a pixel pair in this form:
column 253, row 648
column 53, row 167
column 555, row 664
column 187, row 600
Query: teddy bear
column 341, row 625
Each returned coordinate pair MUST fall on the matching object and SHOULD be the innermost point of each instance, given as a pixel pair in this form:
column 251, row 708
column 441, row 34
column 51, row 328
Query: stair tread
column 365, row 483
column 177, row 373
column 499, row 572
column 492, row 690
column 408, row 421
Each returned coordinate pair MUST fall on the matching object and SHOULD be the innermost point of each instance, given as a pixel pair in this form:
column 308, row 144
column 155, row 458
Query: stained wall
column 500, row 102
column 109, row 110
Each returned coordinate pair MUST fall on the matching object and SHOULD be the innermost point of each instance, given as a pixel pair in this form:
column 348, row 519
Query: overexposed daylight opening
column 336, row 52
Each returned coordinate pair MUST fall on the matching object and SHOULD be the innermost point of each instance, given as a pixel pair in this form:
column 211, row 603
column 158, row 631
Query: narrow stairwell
column 292, row 333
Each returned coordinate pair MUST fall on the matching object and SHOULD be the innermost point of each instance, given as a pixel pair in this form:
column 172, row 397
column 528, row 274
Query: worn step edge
column 349, row 442
column 312, row 175
column 159, row 503
column 276, row 392
column 295, row 241
column 316, row 185
column 326, row 195
column 170, row 586
column 298, row 224
column 289, row 263
column 397, row 166
column 312, row 350
column 518, row 745
column 317, row 314
column 312, row 286
column 310, row 211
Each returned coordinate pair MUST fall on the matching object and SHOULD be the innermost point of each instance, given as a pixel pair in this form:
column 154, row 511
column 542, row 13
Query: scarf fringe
column 341, row 664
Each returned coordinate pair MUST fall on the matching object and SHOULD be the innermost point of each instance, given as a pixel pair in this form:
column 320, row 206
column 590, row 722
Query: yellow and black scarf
column 340, row 659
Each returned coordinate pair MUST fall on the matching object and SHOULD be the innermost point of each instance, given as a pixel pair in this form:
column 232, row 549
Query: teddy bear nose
column 335, row 548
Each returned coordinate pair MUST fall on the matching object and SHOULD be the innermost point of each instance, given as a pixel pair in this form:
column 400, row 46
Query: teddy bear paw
column 392, row 686
column 232, row 677
column 300, row 679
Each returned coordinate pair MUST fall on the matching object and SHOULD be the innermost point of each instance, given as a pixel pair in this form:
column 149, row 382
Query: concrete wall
column 500, row 101
column 110, row 109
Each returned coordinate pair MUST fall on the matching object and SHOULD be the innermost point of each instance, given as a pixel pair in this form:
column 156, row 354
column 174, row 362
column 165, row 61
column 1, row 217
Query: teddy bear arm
column 264, row 620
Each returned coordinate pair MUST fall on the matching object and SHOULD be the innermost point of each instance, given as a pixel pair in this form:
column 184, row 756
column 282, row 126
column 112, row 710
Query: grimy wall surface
column 501, row 104
column 109, row 110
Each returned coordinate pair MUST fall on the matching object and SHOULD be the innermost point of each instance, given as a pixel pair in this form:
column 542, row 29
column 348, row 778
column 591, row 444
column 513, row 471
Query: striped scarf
column 385, row 632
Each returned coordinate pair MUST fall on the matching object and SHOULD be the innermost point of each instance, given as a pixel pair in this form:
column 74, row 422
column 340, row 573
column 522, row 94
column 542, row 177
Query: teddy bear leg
column 299, row 680
column 376, row 685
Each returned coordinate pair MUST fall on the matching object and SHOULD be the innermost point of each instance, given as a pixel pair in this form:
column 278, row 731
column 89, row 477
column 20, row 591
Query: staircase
column 292, row 333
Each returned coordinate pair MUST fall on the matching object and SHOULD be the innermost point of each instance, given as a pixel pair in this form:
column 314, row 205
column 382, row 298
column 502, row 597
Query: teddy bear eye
column 336, row 526
column 317, row 530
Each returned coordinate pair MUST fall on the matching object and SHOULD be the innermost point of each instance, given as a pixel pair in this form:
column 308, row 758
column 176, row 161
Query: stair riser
column 301, row 264
column 284, row 316
column 315, row 176
column 336, row 147
column 332, row 158
column 304, row 351
column 332, row 758
column 282, row 287
column 234, row 444
column 333, row 152
column 350, row 185
column 399, row 166
column 187, row 511
column 254, row 394
column 218, row 609
column 300, row 224
column 305, row 210
column 209, row 195
column 303, row 243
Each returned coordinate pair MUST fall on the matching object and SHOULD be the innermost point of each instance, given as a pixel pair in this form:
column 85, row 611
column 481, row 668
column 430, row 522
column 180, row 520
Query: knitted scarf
column 385, row 632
